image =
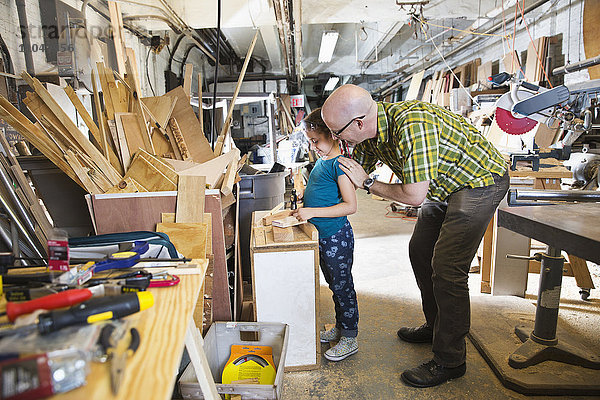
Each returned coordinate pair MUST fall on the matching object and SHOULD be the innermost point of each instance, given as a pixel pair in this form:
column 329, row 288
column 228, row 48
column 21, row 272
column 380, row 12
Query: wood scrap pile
column 132, row 139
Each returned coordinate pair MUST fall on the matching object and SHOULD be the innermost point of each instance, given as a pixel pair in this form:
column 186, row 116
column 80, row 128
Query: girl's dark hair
column 314, row 122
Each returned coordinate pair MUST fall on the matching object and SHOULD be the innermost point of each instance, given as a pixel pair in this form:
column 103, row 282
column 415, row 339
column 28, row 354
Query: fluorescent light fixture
column 331, row 83
column 328, row 41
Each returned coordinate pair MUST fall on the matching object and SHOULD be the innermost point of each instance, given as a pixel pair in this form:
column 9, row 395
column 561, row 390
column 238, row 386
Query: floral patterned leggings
column 336, row 254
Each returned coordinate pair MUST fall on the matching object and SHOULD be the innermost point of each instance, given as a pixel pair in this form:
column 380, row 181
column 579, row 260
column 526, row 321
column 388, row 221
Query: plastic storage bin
column 217, row 345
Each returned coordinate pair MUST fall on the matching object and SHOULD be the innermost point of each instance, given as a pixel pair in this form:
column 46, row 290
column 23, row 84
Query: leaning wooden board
column 150, row 371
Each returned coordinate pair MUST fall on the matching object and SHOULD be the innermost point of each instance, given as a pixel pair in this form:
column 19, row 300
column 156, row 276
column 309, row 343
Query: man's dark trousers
column 443, row 244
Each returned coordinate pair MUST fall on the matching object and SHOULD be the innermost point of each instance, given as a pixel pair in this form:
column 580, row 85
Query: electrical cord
column 148, row 73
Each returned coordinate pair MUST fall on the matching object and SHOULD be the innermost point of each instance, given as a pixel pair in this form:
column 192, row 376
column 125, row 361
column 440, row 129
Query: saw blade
column 512, row 125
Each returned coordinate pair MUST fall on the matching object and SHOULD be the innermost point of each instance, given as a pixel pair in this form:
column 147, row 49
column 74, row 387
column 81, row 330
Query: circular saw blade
column 512, row 125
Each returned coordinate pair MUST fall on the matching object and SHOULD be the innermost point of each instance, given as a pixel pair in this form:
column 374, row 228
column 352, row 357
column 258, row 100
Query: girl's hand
column 303, row 214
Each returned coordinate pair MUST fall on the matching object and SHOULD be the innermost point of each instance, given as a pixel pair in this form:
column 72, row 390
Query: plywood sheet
column 161, row 107
column 191, row 130
column 189, row 238
column 149, row 176
column 131, row 212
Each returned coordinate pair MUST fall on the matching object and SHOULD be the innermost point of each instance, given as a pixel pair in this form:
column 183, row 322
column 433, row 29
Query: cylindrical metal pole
column 546, row 313
column 21, row 11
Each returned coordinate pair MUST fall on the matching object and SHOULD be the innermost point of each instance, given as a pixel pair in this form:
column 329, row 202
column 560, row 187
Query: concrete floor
column 389, row 298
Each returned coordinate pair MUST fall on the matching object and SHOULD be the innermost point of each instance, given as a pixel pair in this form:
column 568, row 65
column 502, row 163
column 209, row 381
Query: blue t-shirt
column 322, row 190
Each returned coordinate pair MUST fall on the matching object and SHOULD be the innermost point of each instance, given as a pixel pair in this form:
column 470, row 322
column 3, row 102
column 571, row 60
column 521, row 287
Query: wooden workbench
column 150, row 372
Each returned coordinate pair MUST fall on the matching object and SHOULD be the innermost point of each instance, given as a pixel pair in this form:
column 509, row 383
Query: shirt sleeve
column 337, row 171
column 364, row 157
column 419, row 138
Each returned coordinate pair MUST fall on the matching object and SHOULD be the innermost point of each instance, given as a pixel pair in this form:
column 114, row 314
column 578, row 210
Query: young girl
column 328, row 198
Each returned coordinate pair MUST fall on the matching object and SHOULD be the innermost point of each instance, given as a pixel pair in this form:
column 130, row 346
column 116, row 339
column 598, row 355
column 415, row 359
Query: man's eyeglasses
column 337, row 133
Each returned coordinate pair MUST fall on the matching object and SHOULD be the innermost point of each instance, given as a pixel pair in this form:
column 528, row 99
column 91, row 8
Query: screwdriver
column 57, row 300
column 94, row 310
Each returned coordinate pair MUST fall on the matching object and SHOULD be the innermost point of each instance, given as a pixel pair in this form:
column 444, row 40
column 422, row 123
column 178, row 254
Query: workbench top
column 262, row 236
column 150, row 372
column 572, row 227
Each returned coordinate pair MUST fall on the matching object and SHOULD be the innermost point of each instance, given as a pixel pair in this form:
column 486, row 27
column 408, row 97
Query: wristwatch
column 368, row 183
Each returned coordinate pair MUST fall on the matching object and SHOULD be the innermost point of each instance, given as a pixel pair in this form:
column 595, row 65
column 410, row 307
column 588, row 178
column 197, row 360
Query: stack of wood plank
column 132, row 141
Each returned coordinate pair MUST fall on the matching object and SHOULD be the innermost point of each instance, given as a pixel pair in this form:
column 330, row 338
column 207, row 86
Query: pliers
column 118, row 361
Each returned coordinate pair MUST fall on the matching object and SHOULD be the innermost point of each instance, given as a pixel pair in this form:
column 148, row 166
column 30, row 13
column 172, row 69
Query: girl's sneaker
column 331, row 335
column 345, row 348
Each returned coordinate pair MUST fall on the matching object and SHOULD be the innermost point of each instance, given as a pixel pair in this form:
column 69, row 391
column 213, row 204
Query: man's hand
column 303, row 214
column 353, row 170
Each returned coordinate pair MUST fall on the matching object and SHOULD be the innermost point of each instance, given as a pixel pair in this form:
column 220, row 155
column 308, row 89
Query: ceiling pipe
column 149, row 17
column 25, row 37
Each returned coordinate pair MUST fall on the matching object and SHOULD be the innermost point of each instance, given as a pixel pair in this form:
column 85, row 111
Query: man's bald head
column 348, row 102
column 345, row 103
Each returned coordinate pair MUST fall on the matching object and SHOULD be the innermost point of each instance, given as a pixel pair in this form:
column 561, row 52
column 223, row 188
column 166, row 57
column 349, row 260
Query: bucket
column 257, row 193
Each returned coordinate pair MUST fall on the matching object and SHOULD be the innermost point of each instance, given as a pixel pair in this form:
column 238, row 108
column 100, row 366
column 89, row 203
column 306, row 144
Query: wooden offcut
column 189, row 238
column 187, row 78
column 286, row 222
column 198, row 146
column 149, row 176
column 190, row 198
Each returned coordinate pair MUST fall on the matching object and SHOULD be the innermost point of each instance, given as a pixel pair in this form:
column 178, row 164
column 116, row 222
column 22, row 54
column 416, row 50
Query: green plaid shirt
column 421, row 141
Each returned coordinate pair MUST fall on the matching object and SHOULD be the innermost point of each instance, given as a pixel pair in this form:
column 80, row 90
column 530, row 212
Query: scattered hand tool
column 118, row 362
column 57, row 300
column 122, row 259
column 94, row 310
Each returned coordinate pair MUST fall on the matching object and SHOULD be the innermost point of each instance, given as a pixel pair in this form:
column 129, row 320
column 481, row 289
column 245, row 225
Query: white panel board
column 284, row 284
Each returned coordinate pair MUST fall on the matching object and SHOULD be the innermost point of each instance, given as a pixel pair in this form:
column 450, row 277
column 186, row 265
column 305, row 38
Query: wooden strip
column 119, row 97
column 229, row 179
column 179, row 140
column 90, row 186
column 268, row 220
column 310, row 230
column 581, row 272
column 187, row 79
column 221, row 300
column 100, row 117
column 137, row 106
column 75, row 133
column 200, row 109
column 238, row 86
column 286, row 222
column 134, row 69
column 116, row 20
column 190, row 198
column 89, row 122
column 122, row 142
column 106, row 94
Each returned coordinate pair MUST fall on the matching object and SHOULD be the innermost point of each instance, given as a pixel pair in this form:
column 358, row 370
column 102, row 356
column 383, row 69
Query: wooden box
column 285, row 286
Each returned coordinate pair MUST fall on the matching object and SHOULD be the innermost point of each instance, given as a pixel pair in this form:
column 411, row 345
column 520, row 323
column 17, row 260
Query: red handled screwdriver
column 53, row 301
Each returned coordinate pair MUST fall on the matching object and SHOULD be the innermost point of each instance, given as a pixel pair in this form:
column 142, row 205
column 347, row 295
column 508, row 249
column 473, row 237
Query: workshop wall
column 9, row 29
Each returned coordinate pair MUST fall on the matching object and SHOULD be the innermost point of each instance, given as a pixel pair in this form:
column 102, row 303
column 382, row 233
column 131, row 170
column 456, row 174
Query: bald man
column 457, row 177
